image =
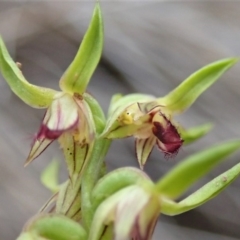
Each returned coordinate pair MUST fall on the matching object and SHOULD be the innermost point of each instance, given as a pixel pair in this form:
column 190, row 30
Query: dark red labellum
column 49, row 134
column 168, row 136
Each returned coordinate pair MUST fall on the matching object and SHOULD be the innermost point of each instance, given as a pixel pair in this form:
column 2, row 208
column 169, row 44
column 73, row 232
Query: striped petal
column 144, row 148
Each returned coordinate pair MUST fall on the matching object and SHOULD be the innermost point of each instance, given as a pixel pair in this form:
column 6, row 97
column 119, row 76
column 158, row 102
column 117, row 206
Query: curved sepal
column 35, row 96
column 178, row 180
column 189, row 90
column 202, row 195
column 78, row 74
column 193, row 134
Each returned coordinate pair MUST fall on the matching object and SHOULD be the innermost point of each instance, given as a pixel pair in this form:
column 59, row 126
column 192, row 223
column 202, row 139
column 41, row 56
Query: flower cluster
column 124, row 204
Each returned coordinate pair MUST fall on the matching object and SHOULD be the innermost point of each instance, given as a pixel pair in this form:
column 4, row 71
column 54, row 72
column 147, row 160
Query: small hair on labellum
column 170, row 140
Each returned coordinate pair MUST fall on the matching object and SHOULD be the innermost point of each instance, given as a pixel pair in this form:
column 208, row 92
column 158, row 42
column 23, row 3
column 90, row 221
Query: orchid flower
column 150, row 119
column 68, row 113
column 134, row 212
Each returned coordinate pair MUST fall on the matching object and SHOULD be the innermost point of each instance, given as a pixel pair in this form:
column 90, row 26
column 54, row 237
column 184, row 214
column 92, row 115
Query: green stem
column 91, row 175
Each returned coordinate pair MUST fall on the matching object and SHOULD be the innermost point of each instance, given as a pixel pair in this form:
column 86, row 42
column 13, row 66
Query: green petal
column 37, row 97
column 178, row 180
column 193, row 134
column 202, row 195
column 188, row 91
column 78, row 74
column 56, row 227
column 49, row 176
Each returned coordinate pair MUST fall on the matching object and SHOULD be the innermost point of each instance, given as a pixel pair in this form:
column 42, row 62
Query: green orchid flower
column 68, row 112
column 150, row 119
column 134, row 211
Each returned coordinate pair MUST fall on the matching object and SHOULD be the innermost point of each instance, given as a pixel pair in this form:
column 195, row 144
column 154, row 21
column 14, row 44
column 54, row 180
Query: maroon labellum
column 169, row 140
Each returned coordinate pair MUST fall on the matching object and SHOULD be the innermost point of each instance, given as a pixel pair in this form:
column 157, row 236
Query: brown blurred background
column 150, row 47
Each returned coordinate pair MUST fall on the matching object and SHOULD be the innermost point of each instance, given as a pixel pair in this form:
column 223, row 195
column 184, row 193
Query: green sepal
column 189, row 90
column 54, row 227
column 78, row 74
column 202, row 195
column 193, row 134
column 49, row 176
column 187, row 172
column 35, row 96
column 117, row 108
column 115, row 181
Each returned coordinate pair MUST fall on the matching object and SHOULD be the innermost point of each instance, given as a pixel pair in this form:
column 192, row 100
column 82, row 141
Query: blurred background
column 150, row 47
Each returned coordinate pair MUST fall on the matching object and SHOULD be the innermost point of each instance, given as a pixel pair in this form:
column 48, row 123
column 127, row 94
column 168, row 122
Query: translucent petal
column 128, row 211
column 62, row 114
